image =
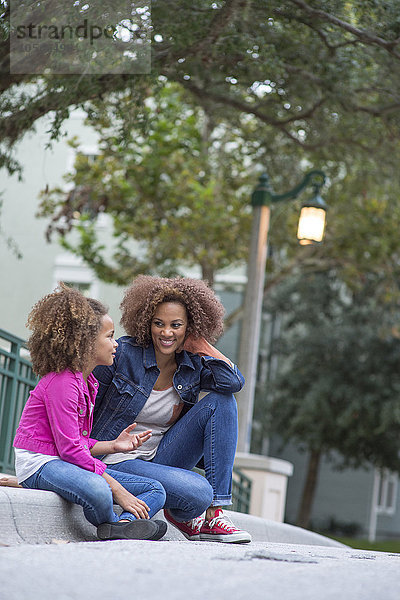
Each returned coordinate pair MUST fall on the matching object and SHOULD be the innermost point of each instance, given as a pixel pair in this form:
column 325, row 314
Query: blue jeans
column 92, row 491
column 207, row 431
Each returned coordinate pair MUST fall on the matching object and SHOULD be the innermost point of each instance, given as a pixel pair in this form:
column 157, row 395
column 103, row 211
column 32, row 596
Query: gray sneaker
column 139, row 529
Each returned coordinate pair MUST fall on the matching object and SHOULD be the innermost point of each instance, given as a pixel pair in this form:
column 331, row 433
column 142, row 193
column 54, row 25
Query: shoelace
column 224, row 522
column 195, row 523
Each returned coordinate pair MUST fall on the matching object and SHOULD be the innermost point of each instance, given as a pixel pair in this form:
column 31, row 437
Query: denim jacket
column 125, row 386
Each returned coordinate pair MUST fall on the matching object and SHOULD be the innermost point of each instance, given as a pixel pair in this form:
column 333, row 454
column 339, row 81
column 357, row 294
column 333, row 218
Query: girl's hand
column 126, row 500
column 127, row 441
column 130, row 503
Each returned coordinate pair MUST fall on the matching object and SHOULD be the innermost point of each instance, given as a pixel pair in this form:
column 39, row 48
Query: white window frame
column 384, row 498
column 72, row 269
column 102, row 220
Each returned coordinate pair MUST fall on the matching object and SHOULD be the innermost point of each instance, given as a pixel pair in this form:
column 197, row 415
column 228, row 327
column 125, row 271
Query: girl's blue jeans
column 207, row 431
column 92, row 491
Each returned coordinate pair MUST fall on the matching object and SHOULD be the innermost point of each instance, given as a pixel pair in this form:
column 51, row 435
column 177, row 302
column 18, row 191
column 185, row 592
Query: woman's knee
column 222, row 404
column 205, row 493
column 191, row 498
column 219, row 399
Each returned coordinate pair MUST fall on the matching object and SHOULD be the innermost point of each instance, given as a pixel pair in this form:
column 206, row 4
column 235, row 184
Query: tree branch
column 377, row 111
column 361, row 34
column 246, row 107
column 222, row 19
column 22, row 120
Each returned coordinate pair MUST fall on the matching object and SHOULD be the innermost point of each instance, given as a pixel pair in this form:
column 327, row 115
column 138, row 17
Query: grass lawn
column 379, row 545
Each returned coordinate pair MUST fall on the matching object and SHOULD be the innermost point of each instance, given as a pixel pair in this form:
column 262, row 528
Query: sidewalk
column 43, row 555
column 172, row 570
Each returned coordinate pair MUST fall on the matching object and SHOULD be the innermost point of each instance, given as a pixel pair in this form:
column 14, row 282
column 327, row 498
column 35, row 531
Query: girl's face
column 168, row 328
column 106, row 345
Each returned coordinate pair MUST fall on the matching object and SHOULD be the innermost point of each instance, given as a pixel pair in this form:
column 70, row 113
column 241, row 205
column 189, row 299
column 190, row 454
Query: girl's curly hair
column 204, row 311
column 64, row 327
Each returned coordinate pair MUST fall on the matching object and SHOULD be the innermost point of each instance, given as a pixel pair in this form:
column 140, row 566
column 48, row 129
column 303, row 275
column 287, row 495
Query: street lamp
column 310, row 231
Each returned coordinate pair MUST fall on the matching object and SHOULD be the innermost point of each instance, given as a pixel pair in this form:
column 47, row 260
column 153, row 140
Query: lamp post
column 310, row 230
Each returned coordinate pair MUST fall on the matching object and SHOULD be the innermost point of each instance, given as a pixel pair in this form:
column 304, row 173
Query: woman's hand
column 126, row 500
column 127, row 441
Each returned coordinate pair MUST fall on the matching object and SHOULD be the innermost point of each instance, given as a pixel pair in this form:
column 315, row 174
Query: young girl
column 71, row 335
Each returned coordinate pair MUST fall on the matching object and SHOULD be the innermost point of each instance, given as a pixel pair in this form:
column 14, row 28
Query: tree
column 327, row 98
column 337, row 389
column 172, row 180
column 321, row 75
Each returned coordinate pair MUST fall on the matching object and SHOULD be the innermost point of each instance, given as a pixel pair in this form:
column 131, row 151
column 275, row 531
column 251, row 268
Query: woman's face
column 168, row 328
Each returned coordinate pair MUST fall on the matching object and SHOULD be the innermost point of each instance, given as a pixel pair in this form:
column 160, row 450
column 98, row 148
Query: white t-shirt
column 158, row 414
column 27, row 462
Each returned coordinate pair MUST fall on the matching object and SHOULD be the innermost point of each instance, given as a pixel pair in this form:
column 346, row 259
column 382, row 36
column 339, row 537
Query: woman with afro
column 168, row 378
column 54, row 449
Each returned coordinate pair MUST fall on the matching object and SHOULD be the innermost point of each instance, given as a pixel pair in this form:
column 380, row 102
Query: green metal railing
column 16, row 381
column 241, row 491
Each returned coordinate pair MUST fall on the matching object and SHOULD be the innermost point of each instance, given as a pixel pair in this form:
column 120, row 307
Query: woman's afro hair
column 64, row 327
column 204, row 311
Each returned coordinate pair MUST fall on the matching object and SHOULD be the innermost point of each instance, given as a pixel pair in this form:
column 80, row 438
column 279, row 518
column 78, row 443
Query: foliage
column 322, row 76
column 377, row 546
column 171, row 179
column 338, row 384
column 303, row 84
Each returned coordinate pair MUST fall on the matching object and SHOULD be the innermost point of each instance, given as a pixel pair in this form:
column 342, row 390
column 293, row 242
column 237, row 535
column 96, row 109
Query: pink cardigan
column 57, row 419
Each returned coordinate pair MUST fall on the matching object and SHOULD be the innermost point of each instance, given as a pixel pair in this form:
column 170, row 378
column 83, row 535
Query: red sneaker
column 221, row 529
column 190, row 529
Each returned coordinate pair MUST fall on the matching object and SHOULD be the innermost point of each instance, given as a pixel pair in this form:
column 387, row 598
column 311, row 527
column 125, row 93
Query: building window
column 84, row 288
column 384, row 498
column 73, row 272
column 387, row 492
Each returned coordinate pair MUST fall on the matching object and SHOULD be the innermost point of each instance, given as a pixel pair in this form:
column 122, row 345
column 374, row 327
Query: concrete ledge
column 37, row 517
column 245, row 460
column 40, row 517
